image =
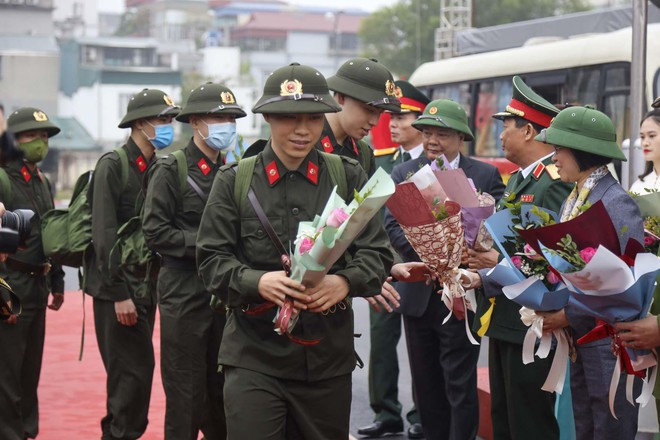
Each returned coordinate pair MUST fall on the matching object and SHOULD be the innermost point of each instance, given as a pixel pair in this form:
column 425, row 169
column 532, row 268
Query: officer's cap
column 31, row 118
column 148, row 103
column 585, row 129
column 412, row 99
column 447, row 114
column 656, row 103
column 296, row 89
column 529, row 105
column 210, row 99
column 367, row 81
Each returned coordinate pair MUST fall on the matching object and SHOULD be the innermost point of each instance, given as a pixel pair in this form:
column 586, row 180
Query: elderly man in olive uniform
column 519, row 408
column 190, row 329
column 123, row 318
column 442, row 359
column 276, row 388
column 385, row 328
column 364, row 88
column 30, row 274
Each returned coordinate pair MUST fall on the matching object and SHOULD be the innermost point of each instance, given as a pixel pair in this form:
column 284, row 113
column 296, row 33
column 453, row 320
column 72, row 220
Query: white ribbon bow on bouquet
column 557, row 374
column 452, row 290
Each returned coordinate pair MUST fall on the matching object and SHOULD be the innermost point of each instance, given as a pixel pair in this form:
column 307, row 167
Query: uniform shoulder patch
column 385, row 151
column 552, row 171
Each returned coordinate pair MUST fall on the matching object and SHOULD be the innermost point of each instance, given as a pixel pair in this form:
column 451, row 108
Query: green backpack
column 67, row 232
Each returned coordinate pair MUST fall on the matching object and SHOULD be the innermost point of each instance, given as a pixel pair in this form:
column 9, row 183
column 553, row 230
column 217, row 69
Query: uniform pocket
column 257, row 246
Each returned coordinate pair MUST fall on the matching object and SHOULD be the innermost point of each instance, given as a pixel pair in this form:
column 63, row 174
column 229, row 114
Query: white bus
column 586, row 69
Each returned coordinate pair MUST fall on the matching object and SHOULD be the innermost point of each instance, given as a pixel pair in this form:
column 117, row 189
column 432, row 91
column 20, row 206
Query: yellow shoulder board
column 385, row 151
column 552, row 171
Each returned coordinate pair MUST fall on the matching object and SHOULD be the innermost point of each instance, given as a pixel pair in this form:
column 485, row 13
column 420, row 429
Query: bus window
column 617, row 77
column 582, row 86
column 456, row 92
column 616, row 107
column 493, row 96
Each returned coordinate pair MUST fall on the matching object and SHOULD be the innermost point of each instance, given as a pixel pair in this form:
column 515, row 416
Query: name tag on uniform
column 527, row 198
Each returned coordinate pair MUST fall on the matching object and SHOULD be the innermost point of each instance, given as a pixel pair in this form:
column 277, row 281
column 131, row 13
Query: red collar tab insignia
column 26, row 174
column 141, row 163
column 527, row 198
column 291, row 88
column 272, row 173
column 355, row 148
column 203, row 166
column 312, row 172
column 227, row 98
column 538, row 170
column 327, row 145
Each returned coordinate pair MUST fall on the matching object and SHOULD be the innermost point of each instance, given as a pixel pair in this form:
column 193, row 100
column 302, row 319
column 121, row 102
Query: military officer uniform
column 190, row 330
column 127, row 351
column 276, row 388
column 32, row 277
column 385, row 328
column 519, row 408
column 367, row 81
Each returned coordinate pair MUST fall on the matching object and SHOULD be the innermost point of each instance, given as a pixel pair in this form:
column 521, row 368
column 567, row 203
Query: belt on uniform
column 26, row 268
column 179, row 263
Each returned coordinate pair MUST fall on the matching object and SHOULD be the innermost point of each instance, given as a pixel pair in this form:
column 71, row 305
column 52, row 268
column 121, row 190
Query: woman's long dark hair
column 655, row 115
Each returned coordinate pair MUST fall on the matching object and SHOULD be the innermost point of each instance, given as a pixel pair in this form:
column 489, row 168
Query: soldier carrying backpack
column 179, row 186
column 123, row 312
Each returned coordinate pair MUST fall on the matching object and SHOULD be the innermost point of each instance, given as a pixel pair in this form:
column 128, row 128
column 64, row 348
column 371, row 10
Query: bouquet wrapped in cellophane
column 321, row 242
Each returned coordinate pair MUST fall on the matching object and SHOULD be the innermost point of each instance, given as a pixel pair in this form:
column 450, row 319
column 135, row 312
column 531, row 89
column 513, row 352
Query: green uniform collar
column 275, row 170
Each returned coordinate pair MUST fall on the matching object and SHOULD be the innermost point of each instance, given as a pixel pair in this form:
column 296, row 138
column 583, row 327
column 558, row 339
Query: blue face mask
column 222, row 136
column 164, row 136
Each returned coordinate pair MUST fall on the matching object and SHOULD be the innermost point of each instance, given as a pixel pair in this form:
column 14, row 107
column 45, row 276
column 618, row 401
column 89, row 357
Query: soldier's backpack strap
column 365, row 151
column 182, row 168
column 337, row 173
column 123, row 159
column 5, row 188
column 243, row 179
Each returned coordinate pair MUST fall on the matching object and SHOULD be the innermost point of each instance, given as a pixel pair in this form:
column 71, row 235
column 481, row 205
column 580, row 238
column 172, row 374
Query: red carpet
column 72, row 393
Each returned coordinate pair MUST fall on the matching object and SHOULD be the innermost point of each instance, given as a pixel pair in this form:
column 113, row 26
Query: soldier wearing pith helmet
column 190, row 330
column 278, row 387
column 125, row 304
column 536, row 182
column 364, row 88
column 444, row 127
column 31, row 275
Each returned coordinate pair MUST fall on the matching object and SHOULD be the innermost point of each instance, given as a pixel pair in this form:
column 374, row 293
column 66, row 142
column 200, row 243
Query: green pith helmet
column 656, row 103
column 210, row 99
column 447, row 114
column 148, row 103
column 529, row 105
column 31, row 118
column 585, row 129
column 368, row 81
column 412, row 99
column 296, row 89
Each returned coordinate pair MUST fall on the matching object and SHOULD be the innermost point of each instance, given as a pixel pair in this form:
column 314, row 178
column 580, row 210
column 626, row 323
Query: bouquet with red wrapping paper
column 435, row 232
column 602, row 283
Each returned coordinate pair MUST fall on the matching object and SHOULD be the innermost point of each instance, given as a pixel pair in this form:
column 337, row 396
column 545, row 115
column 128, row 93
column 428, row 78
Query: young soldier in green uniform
column 364, row 88
column 385, row 328
column 190, row 329
column 123, row 321
column 276, row 388
column 31, row 276
column 519, row 408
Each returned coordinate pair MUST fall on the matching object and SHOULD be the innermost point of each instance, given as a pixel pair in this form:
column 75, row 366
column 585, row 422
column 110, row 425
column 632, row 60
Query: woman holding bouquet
column 649, row 134
column 585, row 142
column 276, row 388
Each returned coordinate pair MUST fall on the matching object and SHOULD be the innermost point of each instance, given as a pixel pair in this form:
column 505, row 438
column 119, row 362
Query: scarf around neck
column 576, row 199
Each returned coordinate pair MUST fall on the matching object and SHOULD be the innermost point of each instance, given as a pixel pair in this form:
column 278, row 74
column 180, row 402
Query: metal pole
column 637, row 88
